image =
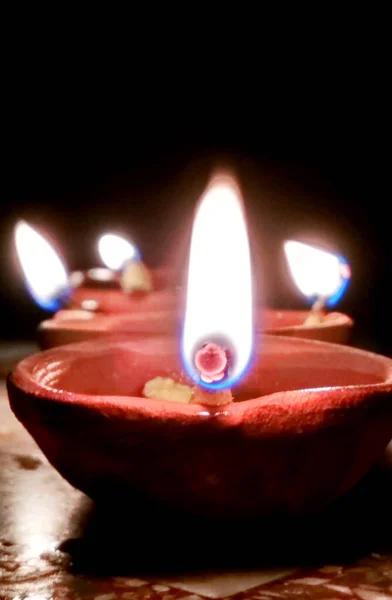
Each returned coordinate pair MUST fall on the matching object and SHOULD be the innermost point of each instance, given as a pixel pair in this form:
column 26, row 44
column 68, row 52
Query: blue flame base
column 54, row 304
column 225, row 383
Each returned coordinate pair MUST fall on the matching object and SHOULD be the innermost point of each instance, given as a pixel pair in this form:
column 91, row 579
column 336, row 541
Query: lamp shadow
column 123, row 538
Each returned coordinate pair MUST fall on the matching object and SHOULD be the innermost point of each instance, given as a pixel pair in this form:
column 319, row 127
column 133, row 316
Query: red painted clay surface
column 310, row 420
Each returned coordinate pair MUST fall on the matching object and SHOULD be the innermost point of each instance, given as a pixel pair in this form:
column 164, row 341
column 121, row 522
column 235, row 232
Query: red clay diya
column 68, row 326
column 335, row 327
column 309, row 419
column 133, row 288
column 323, row 277
column 107, row 296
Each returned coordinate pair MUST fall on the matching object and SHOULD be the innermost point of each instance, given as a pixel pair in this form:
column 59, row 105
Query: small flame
column 45, row 274
column 317, row 273
column 115, row 251
column 219, row 296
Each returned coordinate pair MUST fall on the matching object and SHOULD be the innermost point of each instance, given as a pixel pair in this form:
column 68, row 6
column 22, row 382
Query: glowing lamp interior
column 45, row 274
column 317, row 273
column 115, row 251
column 219, row 294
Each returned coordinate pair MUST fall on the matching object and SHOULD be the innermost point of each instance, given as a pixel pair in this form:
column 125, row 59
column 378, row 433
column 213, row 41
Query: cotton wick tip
column 136, row 278
column 211, row 361
column 316, row 314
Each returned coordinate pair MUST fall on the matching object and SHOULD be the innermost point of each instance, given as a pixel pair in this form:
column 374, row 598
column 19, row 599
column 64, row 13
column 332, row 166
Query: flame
column 317, row 273
column 45, row 274
column 115, row 251
column 219, row 295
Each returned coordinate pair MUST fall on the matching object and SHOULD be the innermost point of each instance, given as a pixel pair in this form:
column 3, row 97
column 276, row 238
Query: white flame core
column 315, row 272
column 115, row 251
column 45, row 273
column 219, row 295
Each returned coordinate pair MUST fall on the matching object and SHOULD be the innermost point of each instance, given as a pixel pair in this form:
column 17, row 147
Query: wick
column 211, row 361
column 316, row 314
column 211, row 397
column 136, row 278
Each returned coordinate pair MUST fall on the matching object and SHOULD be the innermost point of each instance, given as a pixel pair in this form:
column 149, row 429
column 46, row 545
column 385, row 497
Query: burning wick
column 318, row 274
column 316, row 314
column 119, row 254
column 211, row 362
column 217, row 335
column 136, row 278
column 218, row 322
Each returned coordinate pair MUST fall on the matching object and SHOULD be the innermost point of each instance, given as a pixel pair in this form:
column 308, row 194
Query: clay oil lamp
column 220, row 421
column 322, row 277
column 125, row 285
column 85, row 303
column 69, row 326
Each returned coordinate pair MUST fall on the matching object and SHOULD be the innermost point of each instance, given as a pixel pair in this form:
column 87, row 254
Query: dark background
column 77, row 165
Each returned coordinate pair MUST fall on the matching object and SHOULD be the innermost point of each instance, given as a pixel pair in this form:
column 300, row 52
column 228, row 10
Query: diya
column 129, row 287
column 125, row 296
column 69, row 326
column 233, row 424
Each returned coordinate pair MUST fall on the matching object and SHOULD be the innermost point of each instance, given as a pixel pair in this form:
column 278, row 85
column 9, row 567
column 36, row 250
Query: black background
column 82, row 157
